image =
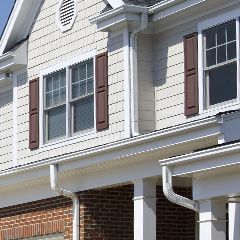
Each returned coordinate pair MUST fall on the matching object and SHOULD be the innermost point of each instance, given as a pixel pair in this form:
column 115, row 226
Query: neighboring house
column 111, row 104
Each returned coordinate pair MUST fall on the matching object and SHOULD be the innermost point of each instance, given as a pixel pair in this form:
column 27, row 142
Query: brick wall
column 174, row 222
column 105, row 215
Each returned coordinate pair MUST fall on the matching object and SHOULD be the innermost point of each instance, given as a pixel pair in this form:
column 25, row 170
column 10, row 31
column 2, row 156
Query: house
column 119, row 119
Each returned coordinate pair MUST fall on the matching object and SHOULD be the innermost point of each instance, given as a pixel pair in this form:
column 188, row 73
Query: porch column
column 212, row 220
column 234, row 221
column 144, row 209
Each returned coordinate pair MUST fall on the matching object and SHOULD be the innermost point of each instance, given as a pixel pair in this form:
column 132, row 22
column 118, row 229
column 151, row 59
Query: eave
column 108, row 164
column 117, row 18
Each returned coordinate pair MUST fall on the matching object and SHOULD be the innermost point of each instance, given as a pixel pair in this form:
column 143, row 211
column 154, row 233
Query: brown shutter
column 191, row 74
column 34, row 113
column 102, row 91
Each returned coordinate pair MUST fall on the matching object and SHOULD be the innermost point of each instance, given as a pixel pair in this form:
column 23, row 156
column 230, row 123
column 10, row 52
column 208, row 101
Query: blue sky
column 5, row 9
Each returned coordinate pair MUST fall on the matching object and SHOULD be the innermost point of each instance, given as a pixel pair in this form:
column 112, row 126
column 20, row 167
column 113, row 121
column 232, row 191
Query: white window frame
column 43, row 73
column 202, row 26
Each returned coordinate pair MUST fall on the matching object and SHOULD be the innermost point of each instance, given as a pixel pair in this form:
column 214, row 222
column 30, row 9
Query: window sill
column 67, row 141
column 224, row 107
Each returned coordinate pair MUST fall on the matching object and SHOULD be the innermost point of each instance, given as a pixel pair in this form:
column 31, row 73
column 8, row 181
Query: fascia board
column 6, row 62
column 163, row 5
column 118, row 16
column 10, row 25
column 202, row 155
column 13, row 60
column 211, row 161
column 116, row 3
column 22, row 17
column 174, row 7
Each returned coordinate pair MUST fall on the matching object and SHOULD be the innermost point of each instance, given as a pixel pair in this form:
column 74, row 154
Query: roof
column 146, row 3
column 142, row 2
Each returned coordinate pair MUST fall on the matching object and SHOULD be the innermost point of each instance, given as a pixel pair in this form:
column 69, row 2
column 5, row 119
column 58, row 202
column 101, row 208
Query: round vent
column 66, row 14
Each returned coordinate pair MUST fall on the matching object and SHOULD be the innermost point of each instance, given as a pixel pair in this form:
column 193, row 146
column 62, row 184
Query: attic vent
column 66, row 14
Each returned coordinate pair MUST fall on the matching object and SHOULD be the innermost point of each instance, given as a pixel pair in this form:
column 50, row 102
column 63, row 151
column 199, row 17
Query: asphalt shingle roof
column 142, row 2
column 146, row 3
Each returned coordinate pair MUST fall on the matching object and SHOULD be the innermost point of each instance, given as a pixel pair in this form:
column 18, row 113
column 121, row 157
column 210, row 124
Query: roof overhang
column 107, row 165
column 115, row 19
column 12, row 61
column 215, row 171
column 19, row 23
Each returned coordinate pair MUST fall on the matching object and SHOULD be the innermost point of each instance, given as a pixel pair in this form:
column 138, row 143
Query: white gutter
column 172, row 196
column 72, row 195
column 163, row 5
column 134, row 75
column 115, row 146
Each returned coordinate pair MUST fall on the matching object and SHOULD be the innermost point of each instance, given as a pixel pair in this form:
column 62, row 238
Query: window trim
column 58, row 67
column 205, row 25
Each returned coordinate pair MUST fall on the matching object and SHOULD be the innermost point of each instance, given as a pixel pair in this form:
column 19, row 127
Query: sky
column 5, row 9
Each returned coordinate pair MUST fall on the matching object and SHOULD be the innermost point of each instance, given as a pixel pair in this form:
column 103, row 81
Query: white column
column 144, row 209
column 234, row 221
column 212, row 220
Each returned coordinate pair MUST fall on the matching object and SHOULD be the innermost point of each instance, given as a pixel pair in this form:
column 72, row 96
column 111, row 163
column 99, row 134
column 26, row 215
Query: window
column 69, row 101
column 220, row 65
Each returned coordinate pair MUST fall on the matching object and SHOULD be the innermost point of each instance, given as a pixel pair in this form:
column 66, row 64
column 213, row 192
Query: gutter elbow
column 172, row 196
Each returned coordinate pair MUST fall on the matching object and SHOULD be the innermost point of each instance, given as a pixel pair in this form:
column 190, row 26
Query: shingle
column 146, row 3
column 142, row 2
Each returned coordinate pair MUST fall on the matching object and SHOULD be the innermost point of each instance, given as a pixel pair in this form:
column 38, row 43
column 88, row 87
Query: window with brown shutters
column 102, row 91
column 34, row 113
column 191, row 74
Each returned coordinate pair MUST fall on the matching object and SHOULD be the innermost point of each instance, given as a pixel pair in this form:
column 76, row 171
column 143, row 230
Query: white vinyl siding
column 6, row 128
column 49, row 47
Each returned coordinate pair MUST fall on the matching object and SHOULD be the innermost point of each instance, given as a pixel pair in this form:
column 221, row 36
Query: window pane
column 49, row 84
column 75, row 75
column 56, row 82
column 75, row 90
column 231, row 50
column 210, row 39
column 82, row 72
column 90, row 85
column 83, row 114
column 56, row 123
column 211, row 57
column 82, row 82
column 221, row 54
column 49, row 99
column 56, row 97
column 83, row 88
column 221, row 35
column 62, row 95
column 231, row 31
column 90, row 69
column 63, row 79
column 223, row 84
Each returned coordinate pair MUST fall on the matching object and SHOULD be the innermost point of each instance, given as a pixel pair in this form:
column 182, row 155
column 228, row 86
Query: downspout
column 172, row 196
column 133, row 75
column 66, row 193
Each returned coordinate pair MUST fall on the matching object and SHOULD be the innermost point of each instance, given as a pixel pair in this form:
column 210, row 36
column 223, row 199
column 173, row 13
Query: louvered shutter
column 34, row 113
column 191, row 74
column 102, row 91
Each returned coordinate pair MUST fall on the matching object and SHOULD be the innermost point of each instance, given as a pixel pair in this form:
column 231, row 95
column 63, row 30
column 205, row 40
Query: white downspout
column 172, row 196
column 133, row 75
column 72, row 195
